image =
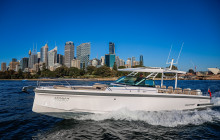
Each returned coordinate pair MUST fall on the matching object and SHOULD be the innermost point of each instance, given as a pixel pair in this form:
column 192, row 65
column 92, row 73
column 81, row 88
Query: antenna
column 179, row 53
column 169, row 54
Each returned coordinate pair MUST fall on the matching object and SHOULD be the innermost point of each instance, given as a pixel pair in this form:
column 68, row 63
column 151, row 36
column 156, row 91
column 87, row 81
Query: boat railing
column 42, row 83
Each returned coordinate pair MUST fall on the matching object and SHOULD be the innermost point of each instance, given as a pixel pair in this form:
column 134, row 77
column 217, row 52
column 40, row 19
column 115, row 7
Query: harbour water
column 17, row 121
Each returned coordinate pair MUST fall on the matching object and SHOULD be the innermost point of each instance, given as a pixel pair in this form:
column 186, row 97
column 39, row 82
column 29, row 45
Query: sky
column 137, row 27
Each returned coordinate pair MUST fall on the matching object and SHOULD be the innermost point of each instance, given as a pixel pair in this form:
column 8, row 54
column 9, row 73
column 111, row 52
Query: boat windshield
column 135, row 81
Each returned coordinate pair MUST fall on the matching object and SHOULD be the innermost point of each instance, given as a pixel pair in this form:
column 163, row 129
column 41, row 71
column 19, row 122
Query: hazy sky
column 147, row 27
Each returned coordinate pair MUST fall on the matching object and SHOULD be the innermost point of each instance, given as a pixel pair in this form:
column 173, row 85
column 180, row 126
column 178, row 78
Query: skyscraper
column 111, row 48
column 117, row 60
column 128, row 63
column 102, row 60
column 24, row 63
column 12, row 65
column 14, row 60
column 83, row 53
column 75, row 63
column 44, row 55
column 32, row 60
column 60, row 59
column 52, row 57
column 110, row 60
column 69, row 53
column 141, row 60
column 133, row 62
column 3, row 66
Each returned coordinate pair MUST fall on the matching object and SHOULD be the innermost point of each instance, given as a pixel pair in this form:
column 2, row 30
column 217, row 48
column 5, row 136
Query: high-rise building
column 32, row 60
column 133, row 61
column 3, row 67
column 12, row 65
column 38, row 57
column 102, row 60
column 69, row 53
column 141, row 60
column 75, row 63
column 52, row 57
column 14, row 60
column 122, row 62
column 128, row 63
column 110, row 60
column 83, row 53
column 60, row 59
column 44, row 55
column 117, row 60
column 111, row 48
column 24, row 63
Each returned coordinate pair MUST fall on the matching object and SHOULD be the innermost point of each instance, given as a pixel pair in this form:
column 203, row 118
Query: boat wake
column 162, row 118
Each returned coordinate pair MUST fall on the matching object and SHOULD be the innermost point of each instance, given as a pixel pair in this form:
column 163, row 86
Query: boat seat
column 178, row 91
column 84, row 88
column 62, row 87
column 100, row 86
column 194, row 92
column 187, row 91
column 170, row 89
column 162, row 89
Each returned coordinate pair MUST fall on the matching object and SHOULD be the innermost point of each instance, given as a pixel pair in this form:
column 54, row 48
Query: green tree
column 103, row 71
column 61, row 71
column 83, row 70
column 115, row 67
column 121, row 67
column 74, row 72
column 20, row 74
column 91, row 70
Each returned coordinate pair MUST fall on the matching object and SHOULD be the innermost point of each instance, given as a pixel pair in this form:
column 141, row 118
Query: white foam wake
column 163, row 118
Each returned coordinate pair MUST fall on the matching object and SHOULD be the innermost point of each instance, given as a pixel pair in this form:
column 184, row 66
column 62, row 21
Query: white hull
column 133, row 98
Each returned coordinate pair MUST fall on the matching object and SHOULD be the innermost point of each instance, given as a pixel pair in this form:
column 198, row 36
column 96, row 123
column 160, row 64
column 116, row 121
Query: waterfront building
column 75, row 63
column 12, row 65
column 24, row 63
column 38, row 57
column 133, row 60
column 215, row 71
column 141, row 60
column 110, row 60
column 83, row 54
column 69, row 53
column 17, row 67
column 44, row 55
column 102, row 60
column 60, row 59
column 3, row 67
column 128, row 63
column 117, row 60
column 32, row 59
column 95, row 62
column 122, row 62
column 111, row 48
column 52, row 57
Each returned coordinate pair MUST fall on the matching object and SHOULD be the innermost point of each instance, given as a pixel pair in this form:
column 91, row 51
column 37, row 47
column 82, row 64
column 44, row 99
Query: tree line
column 64, row 72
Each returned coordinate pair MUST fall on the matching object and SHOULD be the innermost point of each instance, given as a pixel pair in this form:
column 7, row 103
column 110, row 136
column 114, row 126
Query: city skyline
column 137, row 28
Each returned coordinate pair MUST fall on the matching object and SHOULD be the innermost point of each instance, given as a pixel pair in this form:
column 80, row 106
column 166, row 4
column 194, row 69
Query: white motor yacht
column 130, row 92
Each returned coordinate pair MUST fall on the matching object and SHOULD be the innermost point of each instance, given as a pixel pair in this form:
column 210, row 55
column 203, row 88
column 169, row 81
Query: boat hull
column 55, row 101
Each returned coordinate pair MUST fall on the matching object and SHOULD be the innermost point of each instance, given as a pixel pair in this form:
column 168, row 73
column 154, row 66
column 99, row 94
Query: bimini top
column 152, row 69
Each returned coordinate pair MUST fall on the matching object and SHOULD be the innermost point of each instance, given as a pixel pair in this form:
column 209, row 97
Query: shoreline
column 92, row 79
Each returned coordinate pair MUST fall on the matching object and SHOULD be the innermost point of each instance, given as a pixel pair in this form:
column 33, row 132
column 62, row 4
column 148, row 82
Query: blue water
column 17, row 121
